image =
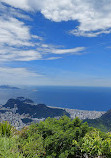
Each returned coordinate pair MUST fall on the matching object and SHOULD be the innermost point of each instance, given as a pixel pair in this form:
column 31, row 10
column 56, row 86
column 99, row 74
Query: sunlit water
column 84, row 98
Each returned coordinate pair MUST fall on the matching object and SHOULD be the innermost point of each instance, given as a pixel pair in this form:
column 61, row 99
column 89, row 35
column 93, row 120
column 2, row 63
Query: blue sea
column 83, row 98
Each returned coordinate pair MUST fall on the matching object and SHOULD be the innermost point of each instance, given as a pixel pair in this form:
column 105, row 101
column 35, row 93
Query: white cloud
column 15, row 37
column 72, row 51
column 14, row 54
column 28, row 55
column 78, row 32
column 17, row 71
column 92, row 15
column 14, row 32
column 10, row 11
column 53, row 58
column 18, row 76
column 58, row 50
column 22, row 4
column 18, row 44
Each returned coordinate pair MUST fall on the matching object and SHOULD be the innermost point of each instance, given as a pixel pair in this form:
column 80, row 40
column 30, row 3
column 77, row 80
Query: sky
column 53, row 42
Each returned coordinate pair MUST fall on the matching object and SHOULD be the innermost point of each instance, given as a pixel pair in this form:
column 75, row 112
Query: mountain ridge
column 27, row 106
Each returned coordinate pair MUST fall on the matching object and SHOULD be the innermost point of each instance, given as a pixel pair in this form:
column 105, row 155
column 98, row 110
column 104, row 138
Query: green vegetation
column 37, row 111
column 103, row 123
column 52, row 138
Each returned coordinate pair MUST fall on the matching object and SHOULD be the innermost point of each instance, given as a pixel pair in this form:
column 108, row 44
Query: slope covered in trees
column 52, row 138
column 27, row 106
column 103, row 123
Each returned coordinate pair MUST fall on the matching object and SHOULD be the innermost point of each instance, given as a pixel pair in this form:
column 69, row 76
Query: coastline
column 82, row 114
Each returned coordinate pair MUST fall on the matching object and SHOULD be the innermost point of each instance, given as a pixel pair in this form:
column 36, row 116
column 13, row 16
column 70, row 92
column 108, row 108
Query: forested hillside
column 27, row 106
column 103, row 123
column 52, row 138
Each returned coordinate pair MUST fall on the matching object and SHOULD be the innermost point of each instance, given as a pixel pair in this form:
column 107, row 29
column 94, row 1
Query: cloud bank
column 94, row 17
column 20, row 76
column 17, row 43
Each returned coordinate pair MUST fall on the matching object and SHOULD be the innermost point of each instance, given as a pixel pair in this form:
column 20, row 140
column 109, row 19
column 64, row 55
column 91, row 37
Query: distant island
column 8, row 87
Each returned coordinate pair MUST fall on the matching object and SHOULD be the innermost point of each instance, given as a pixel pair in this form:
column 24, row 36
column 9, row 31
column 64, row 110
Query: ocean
column 82, row 98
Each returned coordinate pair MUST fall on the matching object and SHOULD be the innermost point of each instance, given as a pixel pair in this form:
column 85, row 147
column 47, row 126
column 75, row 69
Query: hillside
column 27, row 106
column 103, row 123
column 54, row 138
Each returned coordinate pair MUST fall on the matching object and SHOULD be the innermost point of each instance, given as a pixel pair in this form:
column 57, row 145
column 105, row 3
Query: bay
column 82, row 98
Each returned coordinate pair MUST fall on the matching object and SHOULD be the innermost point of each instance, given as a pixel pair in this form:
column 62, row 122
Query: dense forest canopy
column 53, row 138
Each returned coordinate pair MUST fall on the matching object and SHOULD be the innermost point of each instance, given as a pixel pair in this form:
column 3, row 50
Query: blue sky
column 53, row 42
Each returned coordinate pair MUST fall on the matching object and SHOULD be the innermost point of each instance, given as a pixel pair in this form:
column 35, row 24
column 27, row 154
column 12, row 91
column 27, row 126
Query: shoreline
column 55, row 107
column 82, row 114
